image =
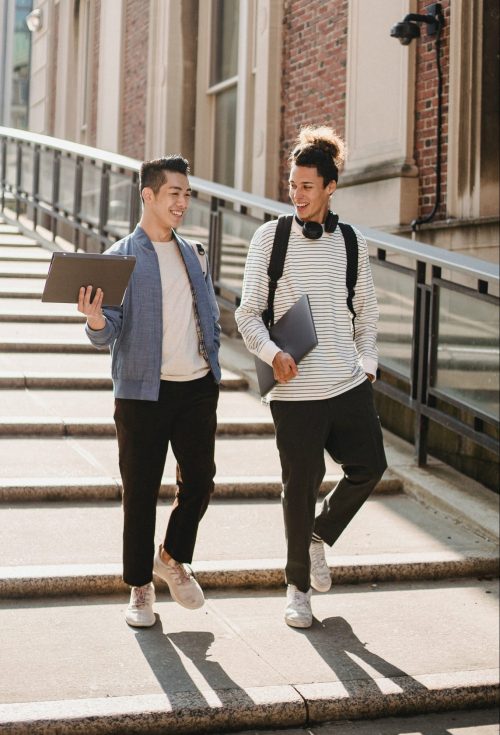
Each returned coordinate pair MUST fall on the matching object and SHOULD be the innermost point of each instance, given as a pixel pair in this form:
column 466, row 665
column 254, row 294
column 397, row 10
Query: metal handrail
column 420, row 251
column 229, row 213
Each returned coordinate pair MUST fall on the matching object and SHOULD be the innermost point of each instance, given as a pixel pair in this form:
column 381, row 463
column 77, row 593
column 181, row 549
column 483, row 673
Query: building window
column 85, row 64
column 20, row 66
column 224, row 86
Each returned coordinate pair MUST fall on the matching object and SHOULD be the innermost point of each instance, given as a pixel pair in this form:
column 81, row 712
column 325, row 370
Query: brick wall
column 314, row 71
column 135, row 58
column 426, row 99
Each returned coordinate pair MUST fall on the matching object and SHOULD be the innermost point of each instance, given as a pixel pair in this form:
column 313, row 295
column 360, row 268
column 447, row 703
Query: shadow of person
column 196, row 646
column 161, row 651
column 336, row 642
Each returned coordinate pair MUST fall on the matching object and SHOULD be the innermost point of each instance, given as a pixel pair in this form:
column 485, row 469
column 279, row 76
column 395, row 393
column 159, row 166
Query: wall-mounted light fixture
column 34, row 20
column 405, row 31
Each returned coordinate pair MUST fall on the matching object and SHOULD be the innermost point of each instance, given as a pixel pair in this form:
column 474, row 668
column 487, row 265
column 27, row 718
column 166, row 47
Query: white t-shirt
column 181, row 357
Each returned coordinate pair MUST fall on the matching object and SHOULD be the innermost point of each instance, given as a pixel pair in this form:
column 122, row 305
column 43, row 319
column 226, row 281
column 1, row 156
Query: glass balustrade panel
column 46, row 176
column 27, row 154
column 67, row 177
column 91, row 193
column 395, row 296
column 119, row 204
column 468, row 351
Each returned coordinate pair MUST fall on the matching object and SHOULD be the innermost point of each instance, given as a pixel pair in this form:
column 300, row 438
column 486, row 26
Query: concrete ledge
column 213, row 710
column 209, row 711
column 63, row 381
column 42, row 426
column 96, row 579
column 32, row 489
column 54, row 346
column 68, row 381
column 440, row 486
column 40, row 317
column 401, row 695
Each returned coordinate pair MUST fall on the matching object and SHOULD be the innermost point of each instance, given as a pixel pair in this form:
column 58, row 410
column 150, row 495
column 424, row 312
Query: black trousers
column 348, row 427
column 185, row 417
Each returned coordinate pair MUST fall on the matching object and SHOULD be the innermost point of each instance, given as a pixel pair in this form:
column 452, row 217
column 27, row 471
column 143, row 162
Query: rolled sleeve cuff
column 370, row 366
column 269, row 352
column 99, row 336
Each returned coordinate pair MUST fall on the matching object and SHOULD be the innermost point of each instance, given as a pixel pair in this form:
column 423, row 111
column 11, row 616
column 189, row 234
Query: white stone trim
column 109, row 92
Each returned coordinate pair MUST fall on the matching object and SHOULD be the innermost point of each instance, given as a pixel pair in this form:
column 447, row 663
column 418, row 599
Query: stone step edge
column 32, row 489
column 285, row 705
column 40, row 318
column 97, row 579
column 98, row 426
column 92, row 380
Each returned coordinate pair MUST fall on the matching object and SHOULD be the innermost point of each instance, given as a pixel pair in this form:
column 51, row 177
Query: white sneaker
column 298, row 612
column 321, row 578
column 140, row 610
column 182, row 585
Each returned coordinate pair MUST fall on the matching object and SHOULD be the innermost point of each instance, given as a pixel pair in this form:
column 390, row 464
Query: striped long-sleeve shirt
column 316, row 268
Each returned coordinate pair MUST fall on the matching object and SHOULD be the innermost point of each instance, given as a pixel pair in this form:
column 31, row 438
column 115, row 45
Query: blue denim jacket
column 134, row 330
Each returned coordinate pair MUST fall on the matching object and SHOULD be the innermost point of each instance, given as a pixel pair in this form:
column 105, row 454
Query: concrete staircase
column 410, row 625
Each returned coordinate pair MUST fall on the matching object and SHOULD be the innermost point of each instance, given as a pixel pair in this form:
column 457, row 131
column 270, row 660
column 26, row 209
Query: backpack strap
column 277, row 263
column 351, row 276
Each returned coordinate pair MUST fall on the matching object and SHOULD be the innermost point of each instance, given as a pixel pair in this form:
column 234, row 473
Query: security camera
column 405, row 31
column 408, row 29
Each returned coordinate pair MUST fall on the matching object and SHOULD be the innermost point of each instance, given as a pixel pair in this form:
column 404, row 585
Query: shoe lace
column 141, row 596
column 181, row 572
column 299, row 599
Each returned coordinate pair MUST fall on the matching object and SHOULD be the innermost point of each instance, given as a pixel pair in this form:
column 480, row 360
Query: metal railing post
column 77, row 202
column 103, row 206
column 3, row 177
column 56, row 179
column 19, row 159
column 420, row 361
column 134, row 201
column 36, row 183
column 214, row 239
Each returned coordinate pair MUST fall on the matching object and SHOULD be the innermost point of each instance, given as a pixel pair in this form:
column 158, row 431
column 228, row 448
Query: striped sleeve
column 366, row 308
column 254, row 296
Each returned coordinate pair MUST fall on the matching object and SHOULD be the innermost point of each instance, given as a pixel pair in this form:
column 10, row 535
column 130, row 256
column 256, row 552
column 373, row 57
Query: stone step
column 101, row 426
column 38, row 490
column 87, row 457
column 234, row 664
column 27, row 253
column 21, row 288
column 89, row 413
column 93, row 381
column 393, row 537
column 10, row 238
column 456, row 722
column 89, row 404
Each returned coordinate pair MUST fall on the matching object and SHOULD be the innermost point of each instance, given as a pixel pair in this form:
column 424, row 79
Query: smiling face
column 164, row 211
column 309, row 195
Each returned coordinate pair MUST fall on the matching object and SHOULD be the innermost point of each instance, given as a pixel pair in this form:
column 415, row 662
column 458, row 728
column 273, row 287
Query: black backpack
column 277, row 262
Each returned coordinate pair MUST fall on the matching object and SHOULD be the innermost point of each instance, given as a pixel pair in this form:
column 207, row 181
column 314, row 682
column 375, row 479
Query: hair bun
column 324, row 138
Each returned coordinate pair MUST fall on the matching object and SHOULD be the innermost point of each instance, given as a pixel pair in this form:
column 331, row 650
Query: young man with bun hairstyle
column 325, row 403
column 164, row 342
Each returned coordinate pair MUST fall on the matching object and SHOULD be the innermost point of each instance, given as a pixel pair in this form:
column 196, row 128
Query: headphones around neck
column 314, row 230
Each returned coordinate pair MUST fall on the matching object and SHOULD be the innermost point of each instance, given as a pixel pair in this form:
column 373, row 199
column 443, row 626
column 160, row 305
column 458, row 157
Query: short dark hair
column 319, row 147
column 152, row 173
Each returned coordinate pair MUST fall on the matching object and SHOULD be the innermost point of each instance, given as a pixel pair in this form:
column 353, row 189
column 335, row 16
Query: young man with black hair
column 164, row 341
column 326, row 402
